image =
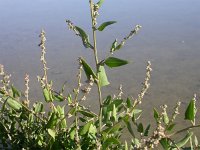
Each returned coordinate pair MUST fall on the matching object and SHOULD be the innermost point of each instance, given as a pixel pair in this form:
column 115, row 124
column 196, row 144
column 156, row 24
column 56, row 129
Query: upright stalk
column 96, row 61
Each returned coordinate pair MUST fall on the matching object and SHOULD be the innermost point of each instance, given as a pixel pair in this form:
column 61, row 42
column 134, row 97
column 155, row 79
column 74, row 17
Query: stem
column 96, row 61
column 185, row 129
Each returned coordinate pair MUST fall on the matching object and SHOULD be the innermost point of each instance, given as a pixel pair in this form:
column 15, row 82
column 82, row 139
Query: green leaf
column 105, row 24
column 16, row 93
column 85, row 128
column 146, row 132
column 170, row 127
column 116, row 102
column 114, row 113
column 103, row 81
column 72, row 133
column 52, row 121
column 85, row 37
column 100, row 2
column 128, row 103
column 113, row 47
column 110, row 141
column 135, row 142
column 129, row 127
column 14, row 104
column 155, row 114
column 88, row 70
column 58, row 97
column 136, row 111
column 115, row 62
column 87, row 113
column 140, row 128
column 52, row 133
column 114, row 128
column 119, row 46
column 69, row 99
column 190, row 111
column 92, row 129
column 72, row 111
column 184, row 141
column 47, row 95
column 38, row 107
column 61, row 111
column 165, row 118
column 108, row 100
column 165, row 143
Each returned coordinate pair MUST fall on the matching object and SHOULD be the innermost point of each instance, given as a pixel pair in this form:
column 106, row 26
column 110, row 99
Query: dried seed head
column 1, row 70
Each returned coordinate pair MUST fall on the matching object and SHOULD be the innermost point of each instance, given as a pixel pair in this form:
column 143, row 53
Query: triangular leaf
column 140, row 128
column 115, row 62
column 190, row 111
column 103, row 80
column 52, row 133
column 105, row 24
column 146, row 132
column 16, row 93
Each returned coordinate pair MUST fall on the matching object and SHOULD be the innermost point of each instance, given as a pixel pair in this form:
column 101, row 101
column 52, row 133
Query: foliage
column 50, row 124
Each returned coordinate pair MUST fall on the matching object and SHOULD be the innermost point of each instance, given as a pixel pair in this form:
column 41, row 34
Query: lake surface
column 169, row 38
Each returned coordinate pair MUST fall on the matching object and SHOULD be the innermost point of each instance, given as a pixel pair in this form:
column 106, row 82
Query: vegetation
column 63, row 122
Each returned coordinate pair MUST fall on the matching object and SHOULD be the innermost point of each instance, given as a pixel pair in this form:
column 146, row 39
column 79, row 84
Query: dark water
column 170, row 39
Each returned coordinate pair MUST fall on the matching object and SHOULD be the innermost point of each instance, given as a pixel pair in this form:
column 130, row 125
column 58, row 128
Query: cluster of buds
column 153, row 141
column 176, row 111
column 1, row 70
column 120, row 92
column 5, row 81
column 95, row 14
column 87, row 88
column 146, row 84
column 43, row 80
column 43, row 48
column 72, row 27
column 26, row 93
column 133, row 32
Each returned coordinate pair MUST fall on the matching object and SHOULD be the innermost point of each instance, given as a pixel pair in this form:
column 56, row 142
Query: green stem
column 96, row 61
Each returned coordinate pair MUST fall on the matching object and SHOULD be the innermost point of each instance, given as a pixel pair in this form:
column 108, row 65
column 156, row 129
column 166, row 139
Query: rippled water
column 170, row 39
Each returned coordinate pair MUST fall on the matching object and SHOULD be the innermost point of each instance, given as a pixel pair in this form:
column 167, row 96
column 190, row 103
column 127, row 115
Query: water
column 170, row 39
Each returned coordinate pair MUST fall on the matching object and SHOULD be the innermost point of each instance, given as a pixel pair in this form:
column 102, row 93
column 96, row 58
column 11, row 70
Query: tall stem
column 96, row 61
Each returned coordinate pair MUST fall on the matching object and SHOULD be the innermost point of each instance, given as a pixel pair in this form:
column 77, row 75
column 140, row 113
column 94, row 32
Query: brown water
column 170, row 39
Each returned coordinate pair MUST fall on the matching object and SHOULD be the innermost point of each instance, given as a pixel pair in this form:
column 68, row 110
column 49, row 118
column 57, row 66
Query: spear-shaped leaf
column 105, row 24
column 190, row 111
column 88, row 70
column 115, row 62
column 84, row 37
column 100, row 3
